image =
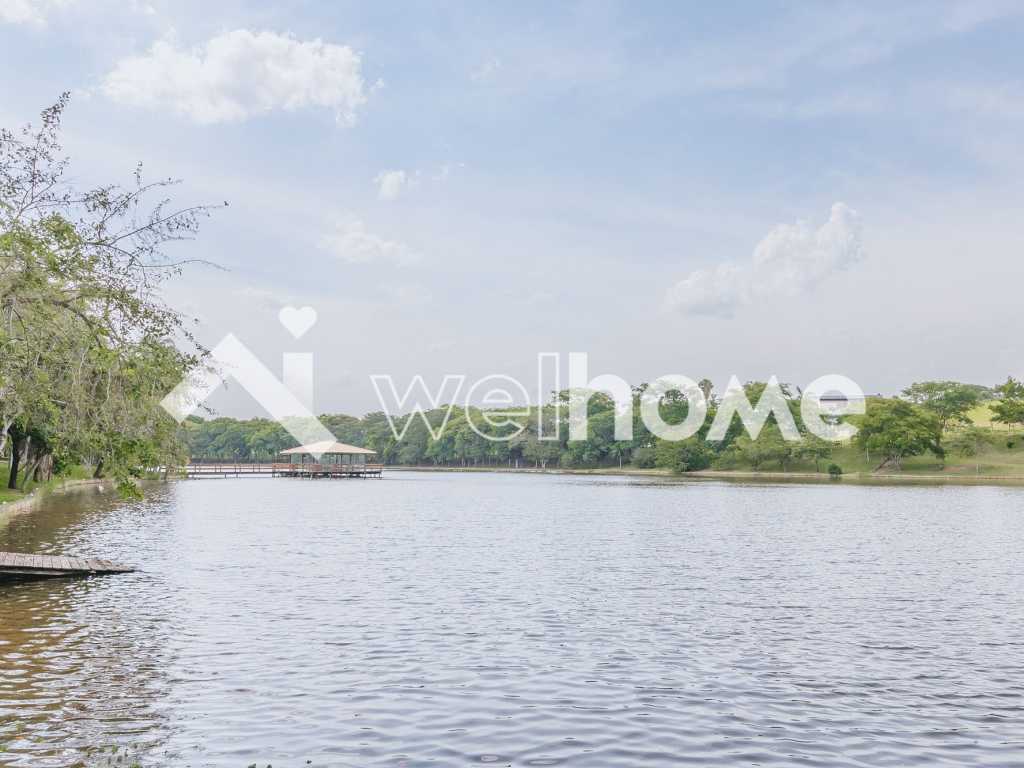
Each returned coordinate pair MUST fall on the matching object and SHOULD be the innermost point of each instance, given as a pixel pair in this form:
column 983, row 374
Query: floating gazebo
column 328, row 458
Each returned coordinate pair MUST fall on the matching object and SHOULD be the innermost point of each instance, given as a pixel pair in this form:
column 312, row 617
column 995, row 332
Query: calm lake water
column 522, row 620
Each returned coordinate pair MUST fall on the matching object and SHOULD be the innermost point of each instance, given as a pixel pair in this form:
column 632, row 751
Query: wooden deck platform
column 280, row 469
column 193, row 471
column 17, row 564
column 328, row 470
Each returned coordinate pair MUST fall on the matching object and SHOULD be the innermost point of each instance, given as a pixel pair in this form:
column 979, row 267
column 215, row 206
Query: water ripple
column 522, row 621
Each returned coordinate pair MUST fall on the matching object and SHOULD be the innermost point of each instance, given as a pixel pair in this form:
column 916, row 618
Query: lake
column 521, row 620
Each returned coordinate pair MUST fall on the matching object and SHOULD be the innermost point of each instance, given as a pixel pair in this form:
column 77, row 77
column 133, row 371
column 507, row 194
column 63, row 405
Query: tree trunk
column 44, row 468
column 31, row 471
column 4, row 434
column 98, row 472
column 12, row 482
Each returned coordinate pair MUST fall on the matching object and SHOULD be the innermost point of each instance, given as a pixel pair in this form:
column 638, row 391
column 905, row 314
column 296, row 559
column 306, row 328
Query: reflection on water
column 522, row 620
column 82, row 662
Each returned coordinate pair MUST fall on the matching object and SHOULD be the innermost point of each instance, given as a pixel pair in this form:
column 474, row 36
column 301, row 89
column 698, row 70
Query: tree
column 86, row 348
column 950, row 401
column 1009, row 409
column 813, row 448
column 689, row 455
column 896, row 429
column 620, row 450
column 541, row 452
column 707, row 387
column 768, row 447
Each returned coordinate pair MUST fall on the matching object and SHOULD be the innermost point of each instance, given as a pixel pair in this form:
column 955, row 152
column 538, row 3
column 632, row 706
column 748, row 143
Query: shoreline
column 11, row 509
column 739, row 476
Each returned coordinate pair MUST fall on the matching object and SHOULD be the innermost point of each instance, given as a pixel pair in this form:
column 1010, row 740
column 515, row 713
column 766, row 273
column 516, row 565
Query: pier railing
column 284, row 469
column 237, row 468
column 328, row 469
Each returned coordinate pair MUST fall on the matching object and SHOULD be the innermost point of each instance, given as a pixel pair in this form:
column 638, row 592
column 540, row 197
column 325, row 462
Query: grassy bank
column 992, row 460
column 997, row 457
column 8, row 495
column 809, row 475
column 999, row 453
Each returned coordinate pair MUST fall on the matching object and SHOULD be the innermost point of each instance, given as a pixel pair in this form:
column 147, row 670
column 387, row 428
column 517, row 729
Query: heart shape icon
column 297, row 320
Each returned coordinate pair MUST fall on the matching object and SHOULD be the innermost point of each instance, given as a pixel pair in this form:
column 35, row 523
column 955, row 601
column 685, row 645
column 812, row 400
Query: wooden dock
column 16, row 564
column 328, row 470
column 193, row 471
column 280, row 469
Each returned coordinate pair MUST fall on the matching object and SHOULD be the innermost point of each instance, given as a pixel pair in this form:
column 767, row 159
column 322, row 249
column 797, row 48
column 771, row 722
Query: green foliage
column 895, row 429
column 1009, row 409
column 768, row 448
column 835, row 471
column 645, row 457
column 813, row 448
column 86, row 350
column 690, row 455
column 969, row 441
column 950, row 401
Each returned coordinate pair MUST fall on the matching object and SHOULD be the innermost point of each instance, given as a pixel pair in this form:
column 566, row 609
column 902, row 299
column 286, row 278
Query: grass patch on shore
column 999, row 454
column 981, row 416
column 76, row 472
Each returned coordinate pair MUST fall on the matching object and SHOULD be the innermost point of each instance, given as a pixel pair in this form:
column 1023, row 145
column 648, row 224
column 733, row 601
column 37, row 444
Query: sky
column 749, row 189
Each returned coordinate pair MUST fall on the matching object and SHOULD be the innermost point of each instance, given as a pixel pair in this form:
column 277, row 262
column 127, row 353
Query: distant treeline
column 927, row 417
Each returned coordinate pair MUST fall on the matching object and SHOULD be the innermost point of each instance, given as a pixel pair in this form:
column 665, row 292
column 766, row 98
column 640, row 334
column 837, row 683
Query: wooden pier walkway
column 226, row 470
column 16, row 564
column 280, row 469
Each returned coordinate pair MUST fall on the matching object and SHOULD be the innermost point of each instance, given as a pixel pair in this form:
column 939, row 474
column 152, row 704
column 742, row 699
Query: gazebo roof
column 328, row 446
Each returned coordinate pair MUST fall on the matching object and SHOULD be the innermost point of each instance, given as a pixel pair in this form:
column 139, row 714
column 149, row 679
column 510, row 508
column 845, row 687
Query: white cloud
column 391, row 184
column 28, row 11
column 239, row 74
column 790, row 260
column 485, row 70
column 350, row 241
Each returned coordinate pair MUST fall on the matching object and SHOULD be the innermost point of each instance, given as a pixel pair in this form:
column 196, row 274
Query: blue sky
column 707, row 189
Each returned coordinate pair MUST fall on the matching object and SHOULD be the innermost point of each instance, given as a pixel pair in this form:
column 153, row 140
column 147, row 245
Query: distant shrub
column 688, row 455
column 644, row 458
column 835, row 471
column 1011, row 444
column 969, row 441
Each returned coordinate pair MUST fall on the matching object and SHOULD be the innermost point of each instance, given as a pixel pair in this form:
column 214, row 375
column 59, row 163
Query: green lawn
column 74, row 473
column 995, row 458
column 981, row 416
column 1000, row 454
